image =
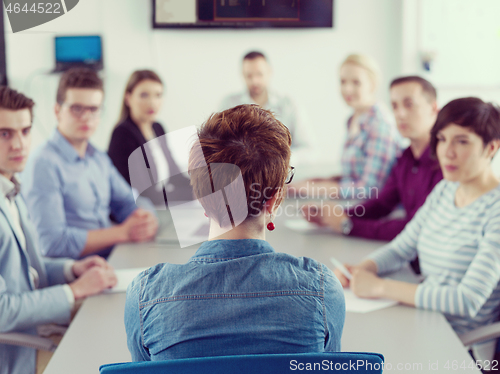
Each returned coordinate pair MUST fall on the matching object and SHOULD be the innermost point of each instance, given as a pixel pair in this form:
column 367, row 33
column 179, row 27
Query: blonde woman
column 372, row 144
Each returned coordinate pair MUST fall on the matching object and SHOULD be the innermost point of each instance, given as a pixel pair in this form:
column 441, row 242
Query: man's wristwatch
column 346, row 226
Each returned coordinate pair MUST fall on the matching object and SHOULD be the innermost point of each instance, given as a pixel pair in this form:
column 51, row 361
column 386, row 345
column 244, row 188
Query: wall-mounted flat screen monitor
column 242, row 13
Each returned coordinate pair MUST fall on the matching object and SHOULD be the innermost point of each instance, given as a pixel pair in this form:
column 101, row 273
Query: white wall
column 429, row 25
column 201, row 66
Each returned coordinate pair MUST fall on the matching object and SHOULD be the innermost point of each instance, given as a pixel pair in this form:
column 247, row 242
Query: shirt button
column 414, row 169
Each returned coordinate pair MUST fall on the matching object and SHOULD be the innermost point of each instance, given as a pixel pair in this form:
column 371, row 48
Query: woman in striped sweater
column 456, row 233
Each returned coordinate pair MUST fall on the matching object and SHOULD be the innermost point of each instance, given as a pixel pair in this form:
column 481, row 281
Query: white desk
column 404, row 335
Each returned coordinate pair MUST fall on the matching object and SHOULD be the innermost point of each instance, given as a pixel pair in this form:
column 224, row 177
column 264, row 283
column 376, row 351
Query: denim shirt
column 234, row 297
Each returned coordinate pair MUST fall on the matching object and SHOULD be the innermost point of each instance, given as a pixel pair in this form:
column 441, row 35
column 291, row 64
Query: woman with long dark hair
column 137, row 125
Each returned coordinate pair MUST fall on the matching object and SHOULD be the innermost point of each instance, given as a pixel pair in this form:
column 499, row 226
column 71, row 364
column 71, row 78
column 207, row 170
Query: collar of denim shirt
column 231, row 249
column 66, row 149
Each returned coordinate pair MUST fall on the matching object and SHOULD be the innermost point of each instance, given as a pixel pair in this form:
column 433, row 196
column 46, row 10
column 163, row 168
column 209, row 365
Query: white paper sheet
column 125, row 277
column 358, row 305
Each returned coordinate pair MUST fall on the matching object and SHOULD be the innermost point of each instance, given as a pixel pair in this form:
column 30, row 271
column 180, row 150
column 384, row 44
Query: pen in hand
column 341, row 267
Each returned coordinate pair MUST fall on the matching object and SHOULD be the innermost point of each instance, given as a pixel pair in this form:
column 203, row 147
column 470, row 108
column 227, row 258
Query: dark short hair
column 253, row 55
column 428, row 88
column 12, row 100
column 470, row 112
column 250, row 138
column 78, row 78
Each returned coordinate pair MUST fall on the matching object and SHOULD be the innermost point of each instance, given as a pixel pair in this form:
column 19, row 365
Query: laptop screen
column 85, row 49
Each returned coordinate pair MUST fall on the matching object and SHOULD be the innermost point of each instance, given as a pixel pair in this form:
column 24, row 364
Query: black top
column 126, row 138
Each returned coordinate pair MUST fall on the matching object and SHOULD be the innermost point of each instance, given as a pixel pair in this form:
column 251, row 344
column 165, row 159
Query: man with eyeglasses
column 72, row 188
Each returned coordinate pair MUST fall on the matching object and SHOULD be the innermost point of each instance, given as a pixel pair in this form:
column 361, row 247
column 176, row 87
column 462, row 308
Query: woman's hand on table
column 366, row 266
column 365, row 283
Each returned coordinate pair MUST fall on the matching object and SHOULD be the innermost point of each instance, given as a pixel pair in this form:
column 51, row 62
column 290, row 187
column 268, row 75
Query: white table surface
column 410, row 339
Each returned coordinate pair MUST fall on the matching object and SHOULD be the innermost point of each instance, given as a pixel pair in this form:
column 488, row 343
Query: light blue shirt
column 234, row 297
column 68, row 195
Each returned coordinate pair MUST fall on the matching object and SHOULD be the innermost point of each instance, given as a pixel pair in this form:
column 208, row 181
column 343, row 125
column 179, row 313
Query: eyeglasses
column 79, row 110
column 289, row 177
column 288, row 180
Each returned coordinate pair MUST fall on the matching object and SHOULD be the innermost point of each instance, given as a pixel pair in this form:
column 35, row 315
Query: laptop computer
column 78, row 51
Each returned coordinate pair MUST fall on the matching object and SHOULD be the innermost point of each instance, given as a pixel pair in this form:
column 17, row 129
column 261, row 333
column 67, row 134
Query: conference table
column 411, row 340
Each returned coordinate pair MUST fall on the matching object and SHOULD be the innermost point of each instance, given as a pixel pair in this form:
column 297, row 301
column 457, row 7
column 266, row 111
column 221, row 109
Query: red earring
column 270, row 225
column 205, row 213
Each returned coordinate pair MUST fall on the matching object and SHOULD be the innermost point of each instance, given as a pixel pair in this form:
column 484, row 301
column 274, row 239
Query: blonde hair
column 367, row 63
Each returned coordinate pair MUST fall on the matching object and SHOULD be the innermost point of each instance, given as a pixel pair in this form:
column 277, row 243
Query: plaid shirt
column 367, row 157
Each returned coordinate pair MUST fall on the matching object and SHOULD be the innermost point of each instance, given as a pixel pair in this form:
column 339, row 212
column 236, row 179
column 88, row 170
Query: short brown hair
column 253, row 55
column 250, row 138
column 137, row 77
column 428, row 88
column 470, row 112
column 12, row 100
column 78, row 78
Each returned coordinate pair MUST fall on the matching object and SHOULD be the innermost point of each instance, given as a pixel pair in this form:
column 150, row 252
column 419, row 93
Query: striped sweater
column 459, row 253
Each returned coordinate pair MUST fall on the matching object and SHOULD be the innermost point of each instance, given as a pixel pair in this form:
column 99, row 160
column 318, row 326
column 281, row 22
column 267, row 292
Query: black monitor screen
column 242, row 13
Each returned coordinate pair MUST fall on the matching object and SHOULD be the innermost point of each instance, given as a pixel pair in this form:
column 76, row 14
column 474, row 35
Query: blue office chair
column 341, row 362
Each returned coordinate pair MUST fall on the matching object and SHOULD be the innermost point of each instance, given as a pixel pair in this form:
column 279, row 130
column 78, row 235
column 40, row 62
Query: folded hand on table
column 81, row 266
column 140, row 226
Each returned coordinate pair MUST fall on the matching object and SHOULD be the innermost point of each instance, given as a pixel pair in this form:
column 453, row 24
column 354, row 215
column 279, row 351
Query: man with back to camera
column 412, row 178
column 257, row 74
column 33, row 289
column 71, row 187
